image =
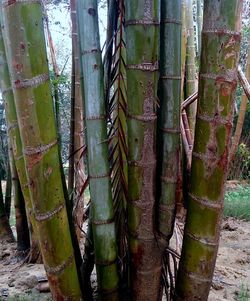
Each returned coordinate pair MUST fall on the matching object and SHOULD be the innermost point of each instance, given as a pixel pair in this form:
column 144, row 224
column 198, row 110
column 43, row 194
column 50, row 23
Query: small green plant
column 237, row 202
column 243, row 294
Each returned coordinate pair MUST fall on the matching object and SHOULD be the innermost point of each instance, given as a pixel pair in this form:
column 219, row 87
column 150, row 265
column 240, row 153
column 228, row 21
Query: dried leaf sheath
column 102, row 213
column 169, row 113
column 142, row 41
column 27, row 61
column 118, row 145
column 217, row 84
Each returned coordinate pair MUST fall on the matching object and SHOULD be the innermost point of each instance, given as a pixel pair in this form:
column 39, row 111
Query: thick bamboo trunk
column 28, row 67
column 142, row 41
column 217, row 85
column 242, row 113
column 5, row 230
column 16, row 145
column 169, row 114
column 191, row 74
column 102, row 214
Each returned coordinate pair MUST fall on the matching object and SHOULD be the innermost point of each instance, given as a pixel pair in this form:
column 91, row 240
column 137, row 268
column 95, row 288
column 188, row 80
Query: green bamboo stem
column 142, row 44
column 16, row 145
column 5, row 230
column 102, row 214
column 28, row 68
column 191, row 73
column 217, row 85
column 169, row 113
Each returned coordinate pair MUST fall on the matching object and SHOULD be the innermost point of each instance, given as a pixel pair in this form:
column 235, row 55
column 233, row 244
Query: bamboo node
column 221, row 31
column 146, row 22
column 32, row 82
column 205, row 202
column 102, row 222
column 29, row 150
column 170, row 130
column 174, row 77
column 167, row 208
column 171, row 21
column 205, row 157
column 201, row 240
column 169, row 180
column 91, row 51
column 40, row 217
column 144, row 117
column 105, row 262
column 146, row 66
column 93, row 117
column 229, row 75
column 214, row 119
column 195, row 276
column 101, row 176
column 60, row 268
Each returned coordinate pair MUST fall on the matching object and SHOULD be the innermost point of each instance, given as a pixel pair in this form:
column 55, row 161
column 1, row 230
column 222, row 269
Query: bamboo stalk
column 16, row 145
column 102, row 213
column 217, row 86
column 142, row 41
column 169, row 114
column 31, row 87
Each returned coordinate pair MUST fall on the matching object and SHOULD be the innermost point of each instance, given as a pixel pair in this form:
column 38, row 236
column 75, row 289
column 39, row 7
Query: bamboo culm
column 217, row 86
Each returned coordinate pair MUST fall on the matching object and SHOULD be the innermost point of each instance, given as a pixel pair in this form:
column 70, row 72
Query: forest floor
column 231, row 280
column 24, row 282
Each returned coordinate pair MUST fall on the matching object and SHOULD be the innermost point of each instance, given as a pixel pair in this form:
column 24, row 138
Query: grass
column 243, row 294
column 237, row 203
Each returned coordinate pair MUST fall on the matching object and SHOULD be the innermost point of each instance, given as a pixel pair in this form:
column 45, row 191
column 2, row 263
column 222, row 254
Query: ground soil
column 231, row 273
